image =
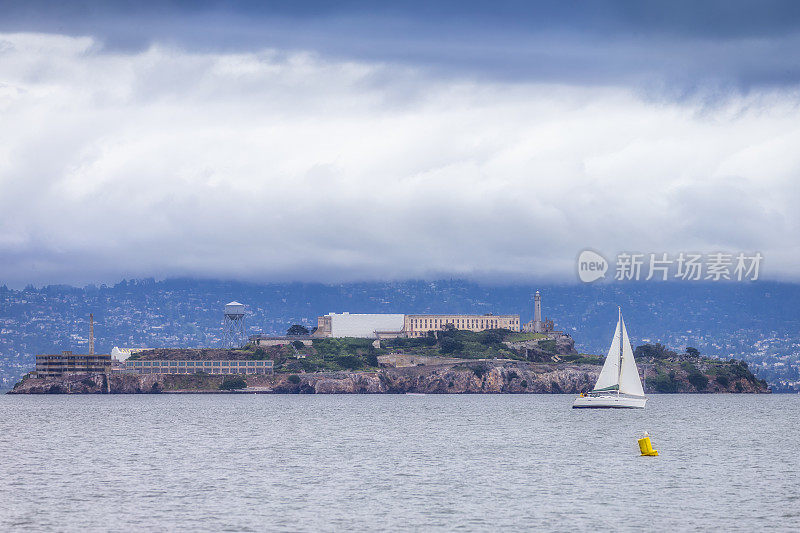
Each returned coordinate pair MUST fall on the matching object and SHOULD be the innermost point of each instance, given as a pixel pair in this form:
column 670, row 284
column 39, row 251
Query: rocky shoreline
column 467, row 377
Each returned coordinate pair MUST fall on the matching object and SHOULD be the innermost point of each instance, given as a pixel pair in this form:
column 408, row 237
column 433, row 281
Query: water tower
column 233, row 332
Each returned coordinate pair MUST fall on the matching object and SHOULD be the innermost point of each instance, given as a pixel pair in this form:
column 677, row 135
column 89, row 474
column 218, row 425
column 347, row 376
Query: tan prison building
column 420, row 325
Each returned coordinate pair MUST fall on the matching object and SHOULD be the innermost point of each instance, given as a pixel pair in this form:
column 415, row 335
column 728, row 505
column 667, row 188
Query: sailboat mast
column 619, row 355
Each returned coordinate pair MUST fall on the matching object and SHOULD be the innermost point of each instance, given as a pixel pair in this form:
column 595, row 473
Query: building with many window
column 420, row 325
column 382, row 326
column 181, row 366
column 70, row 363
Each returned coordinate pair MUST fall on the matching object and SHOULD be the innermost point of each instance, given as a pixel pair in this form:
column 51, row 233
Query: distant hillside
column 757, row 322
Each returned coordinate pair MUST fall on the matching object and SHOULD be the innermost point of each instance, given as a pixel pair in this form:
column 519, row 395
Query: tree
column 297, row 329
column 298, row 345
column 694, row 352
column 448, row 345
column 233, row 383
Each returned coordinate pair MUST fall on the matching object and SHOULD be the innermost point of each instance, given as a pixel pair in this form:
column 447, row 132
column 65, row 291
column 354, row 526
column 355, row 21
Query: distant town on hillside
column 756, row 322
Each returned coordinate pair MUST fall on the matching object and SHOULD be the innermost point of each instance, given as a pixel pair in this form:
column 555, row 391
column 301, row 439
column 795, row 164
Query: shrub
column 351, row 362
column 698, row 380
column 260, row 354
column 372, row 359
column 548, row 346
column 513, row 375
column 450, row 345
column 298, row 344
column 294, row 379
column 233, row 383
column 524, row 384
column 656, row 351
column 723, row 380
column 663, row 383
column 491, row 337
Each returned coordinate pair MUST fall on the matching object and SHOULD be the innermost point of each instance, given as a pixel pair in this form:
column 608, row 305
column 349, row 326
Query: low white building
column 358, row 325
column 121, row 354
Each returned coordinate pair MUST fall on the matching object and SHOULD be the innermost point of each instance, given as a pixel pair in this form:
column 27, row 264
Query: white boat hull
column 609, row 401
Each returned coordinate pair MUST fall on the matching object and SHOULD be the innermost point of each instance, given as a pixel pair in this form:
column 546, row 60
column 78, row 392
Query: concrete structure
column 121, row 354
column 358, row 325
column 192, row 367
column 233, row 328
column 269, row 340
column 69, row 363
column 398, row 360
column 420, row 325
column 537, row 325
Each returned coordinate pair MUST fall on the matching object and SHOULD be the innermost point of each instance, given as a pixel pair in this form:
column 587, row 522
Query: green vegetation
column 297, row 329
column 582, row 359
column 233, row 383
column 548, row 346
column 294, row 379
column 665, row 382
column 522, row 336
column 457, row 343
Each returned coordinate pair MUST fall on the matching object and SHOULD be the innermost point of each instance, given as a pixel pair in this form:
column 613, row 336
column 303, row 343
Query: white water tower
column 233, row 332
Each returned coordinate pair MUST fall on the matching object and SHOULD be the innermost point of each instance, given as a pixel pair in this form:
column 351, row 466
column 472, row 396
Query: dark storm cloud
column 670, row 48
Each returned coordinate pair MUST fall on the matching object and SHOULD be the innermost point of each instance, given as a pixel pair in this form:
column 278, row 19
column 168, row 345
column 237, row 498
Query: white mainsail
column 609, row 376
column 629, row 382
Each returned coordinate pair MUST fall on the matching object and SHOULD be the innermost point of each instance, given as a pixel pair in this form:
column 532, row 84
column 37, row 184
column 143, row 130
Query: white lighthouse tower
column 538, row 325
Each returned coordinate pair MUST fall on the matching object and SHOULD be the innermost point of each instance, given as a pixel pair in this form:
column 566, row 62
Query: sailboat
column 618, row 385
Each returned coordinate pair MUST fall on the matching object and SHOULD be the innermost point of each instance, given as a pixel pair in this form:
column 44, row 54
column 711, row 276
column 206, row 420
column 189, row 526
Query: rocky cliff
column 468, row 377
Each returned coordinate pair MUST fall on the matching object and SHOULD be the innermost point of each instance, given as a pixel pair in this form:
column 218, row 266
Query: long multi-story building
column 420, row 325
column 383, row 326
column 181, row 366
column 51, row 365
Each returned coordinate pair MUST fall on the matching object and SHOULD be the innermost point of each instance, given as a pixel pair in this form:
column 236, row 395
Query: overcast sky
column 302, row 141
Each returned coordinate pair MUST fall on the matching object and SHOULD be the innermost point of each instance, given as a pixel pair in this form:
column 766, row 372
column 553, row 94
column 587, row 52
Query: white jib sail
column 609, row 376
column 629, row 382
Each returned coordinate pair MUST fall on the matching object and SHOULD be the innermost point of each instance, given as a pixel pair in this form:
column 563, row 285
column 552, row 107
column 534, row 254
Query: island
column 449, row 362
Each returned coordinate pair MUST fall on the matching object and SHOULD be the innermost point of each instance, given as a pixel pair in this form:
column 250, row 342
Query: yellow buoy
column 646, row 447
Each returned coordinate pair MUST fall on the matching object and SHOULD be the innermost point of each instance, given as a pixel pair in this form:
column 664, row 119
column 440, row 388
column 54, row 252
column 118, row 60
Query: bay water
column 396, row 463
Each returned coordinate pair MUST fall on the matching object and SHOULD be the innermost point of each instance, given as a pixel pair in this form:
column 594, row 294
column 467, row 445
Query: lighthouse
column 538, row 326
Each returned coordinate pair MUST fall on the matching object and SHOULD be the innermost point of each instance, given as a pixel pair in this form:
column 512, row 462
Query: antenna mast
column 91, row 333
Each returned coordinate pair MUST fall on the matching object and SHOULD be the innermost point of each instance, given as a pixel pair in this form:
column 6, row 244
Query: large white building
column 393, row 325
column 121, row 354
column 358, row 325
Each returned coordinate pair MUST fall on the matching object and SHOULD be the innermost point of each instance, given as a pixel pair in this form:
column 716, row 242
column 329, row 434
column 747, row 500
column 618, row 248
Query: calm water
column 471, row 463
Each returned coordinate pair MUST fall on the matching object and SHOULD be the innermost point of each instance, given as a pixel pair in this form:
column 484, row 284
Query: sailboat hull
column 609, row 401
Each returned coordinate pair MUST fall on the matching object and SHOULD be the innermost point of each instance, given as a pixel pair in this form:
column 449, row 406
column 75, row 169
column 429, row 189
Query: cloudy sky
column 302, row 141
